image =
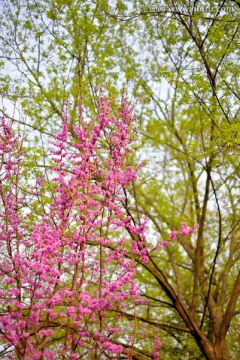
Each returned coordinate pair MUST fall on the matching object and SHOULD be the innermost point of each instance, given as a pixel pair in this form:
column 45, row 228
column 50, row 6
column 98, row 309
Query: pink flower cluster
column 63, row 278
column 157, row 347
column 185, row 230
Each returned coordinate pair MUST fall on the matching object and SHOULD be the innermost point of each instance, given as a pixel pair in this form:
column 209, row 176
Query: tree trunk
column 221, row 350
column 217, row 351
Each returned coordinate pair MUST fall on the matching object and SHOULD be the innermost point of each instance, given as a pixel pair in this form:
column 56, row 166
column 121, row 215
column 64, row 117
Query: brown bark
column 199, row 336
column 221, row 350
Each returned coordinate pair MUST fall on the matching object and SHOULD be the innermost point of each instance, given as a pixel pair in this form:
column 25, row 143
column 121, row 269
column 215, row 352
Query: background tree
column 195, row 133
column 183, row 56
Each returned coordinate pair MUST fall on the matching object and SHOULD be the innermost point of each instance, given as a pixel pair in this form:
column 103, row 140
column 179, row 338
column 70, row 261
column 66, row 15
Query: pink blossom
column 47, row 332
column 185, row 230
column 156, row 355
column 69, row 264
column 164, row 243
column 113, row 348
column 158, row 343
column 173, row 235
column 74, row 356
